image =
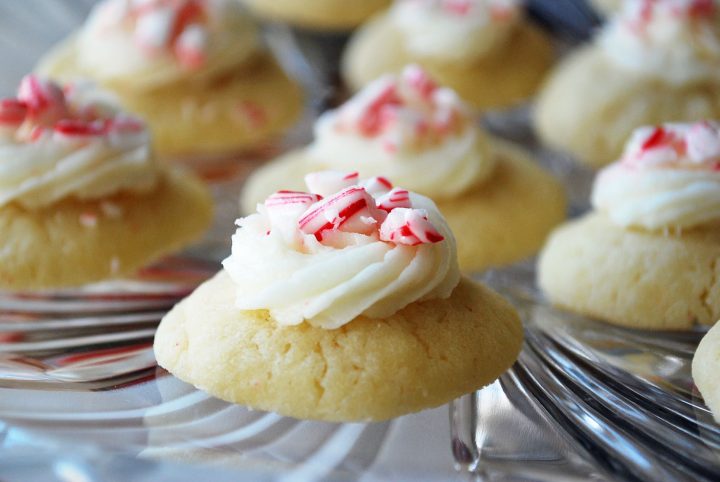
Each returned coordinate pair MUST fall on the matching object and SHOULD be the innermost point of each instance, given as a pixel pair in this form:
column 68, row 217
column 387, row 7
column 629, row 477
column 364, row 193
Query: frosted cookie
column 343, row 303
column 193, row 69
column 81, row 196
column 647, row 256
column 705, row 366
column 407, row 128
column 655, row 61
column 324, row 15
column 483, row 49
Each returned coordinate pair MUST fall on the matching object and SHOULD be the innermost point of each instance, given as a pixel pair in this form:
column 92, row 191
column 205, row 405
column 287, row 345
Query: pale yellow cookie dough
column 502, row 220
column 77, row 242
column 502, row 78
column 589, row 107
column 242, row 109
column 370, row 369
column 705, row 367
column 633, row 277
column 318, row 14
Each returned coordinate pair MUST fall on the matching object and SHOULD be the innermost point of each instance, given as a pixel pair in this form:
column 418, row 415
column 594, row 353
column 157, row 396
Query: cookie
column 333, row 15
column 594, row 127
column 248, row 106
column 633, row 277
column 370, row 369
column 503, row 77
column 705, row 366
column 493, row 222
column 205, row 84
column 76, row 242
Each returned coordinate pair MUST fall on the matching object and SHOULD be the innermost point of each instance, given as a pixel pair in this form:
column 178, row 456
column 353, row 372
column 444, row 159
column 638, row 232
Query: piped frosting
column 455, row 30
column 410, row 129
column 667, row 178
column 346, row 248
column 674, row 40
column 69, row 141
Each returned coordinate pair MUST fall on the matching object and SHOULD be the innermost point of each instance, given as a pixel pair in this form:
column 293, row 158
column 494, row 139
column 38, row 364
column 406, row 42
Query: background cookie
column 423, row 356
column 503, row 220
column 589, row 107
column 253, row 104
column 632, row 277
column 506, row 76
column 75, row 242
column 318, row 14
column 705, row 366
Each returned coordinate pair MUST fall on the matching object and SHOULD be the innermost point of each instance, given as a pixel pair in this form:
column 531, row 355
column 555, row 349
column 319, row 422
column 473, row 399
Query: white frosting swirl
column 330, row 281
column 669, row 177
column 675, row 40
column 455, row 30
column 407, row 128
column 70, row 145
column 146, row 44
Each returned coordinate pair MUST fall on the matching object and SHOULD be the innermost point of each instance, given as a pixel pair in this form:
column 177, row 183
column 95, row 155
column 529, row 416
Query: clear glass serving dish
column 81, row 397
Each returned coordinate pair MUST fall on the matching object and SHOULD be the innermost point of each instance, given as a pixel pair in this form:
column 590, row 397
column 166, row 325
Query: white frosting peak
column 407, row 127
column 327, row 260
column 69, row 142
column 150, row 43
column 675, row 40
column 668, row 177
column 455, row 30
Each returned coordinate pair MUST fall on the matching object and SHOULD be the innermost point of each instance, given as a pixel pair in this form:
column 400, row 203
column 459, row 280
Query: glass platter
column 82, row 399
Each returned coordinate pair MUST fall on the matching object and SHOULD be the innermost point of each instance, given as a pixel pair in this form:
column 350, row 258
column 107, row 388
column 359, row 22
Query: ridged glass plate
column 81, row 397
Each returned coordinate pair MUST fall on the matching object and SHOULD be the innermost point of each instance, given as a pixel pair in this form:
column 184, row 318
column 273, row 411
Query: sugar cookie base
column 632, row 277
column 705, row 366
column 332, row 15
column 370, row 369
column 589, row 107
column 75, row 242
column 247, row 107
column 501, row 79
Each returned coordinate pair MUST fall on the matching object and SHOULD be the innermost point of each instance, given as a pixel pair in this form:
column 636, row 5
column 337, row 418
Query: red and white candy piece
column 191, row 45
column 327, row 183
column 377, row 186
column 397, row 198
column 12, row 112
column 44, row 99
column 409, row 227
column 284, row 207
column 419, row 81
column 703, row 142
column 351, row 210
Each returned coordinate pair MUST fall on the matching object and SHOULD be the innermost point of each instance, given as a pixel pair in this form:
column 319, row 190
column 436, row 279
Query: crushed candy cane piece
column 409, row 227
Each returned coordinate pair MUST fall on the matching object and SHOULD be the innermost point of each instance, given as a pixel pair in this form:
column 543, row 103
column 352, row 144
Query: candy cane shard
column 409, row 227
column 283, row 209
column 44, row 100
column 397, row 198
column 327, row 183
column 377, row 186
column 350, row 210
column 12, row 112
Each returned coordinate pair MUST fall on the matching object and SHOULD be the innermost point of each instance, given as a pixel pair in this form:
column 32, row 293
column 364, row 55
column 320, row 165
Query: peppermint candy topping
column 500, row 10
column 352, row 209
column 178, row 27
column 327, row 183
column 410, row 227
column 675, row 145
column 42, row 107
column 639, row 13
column 409, row 110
